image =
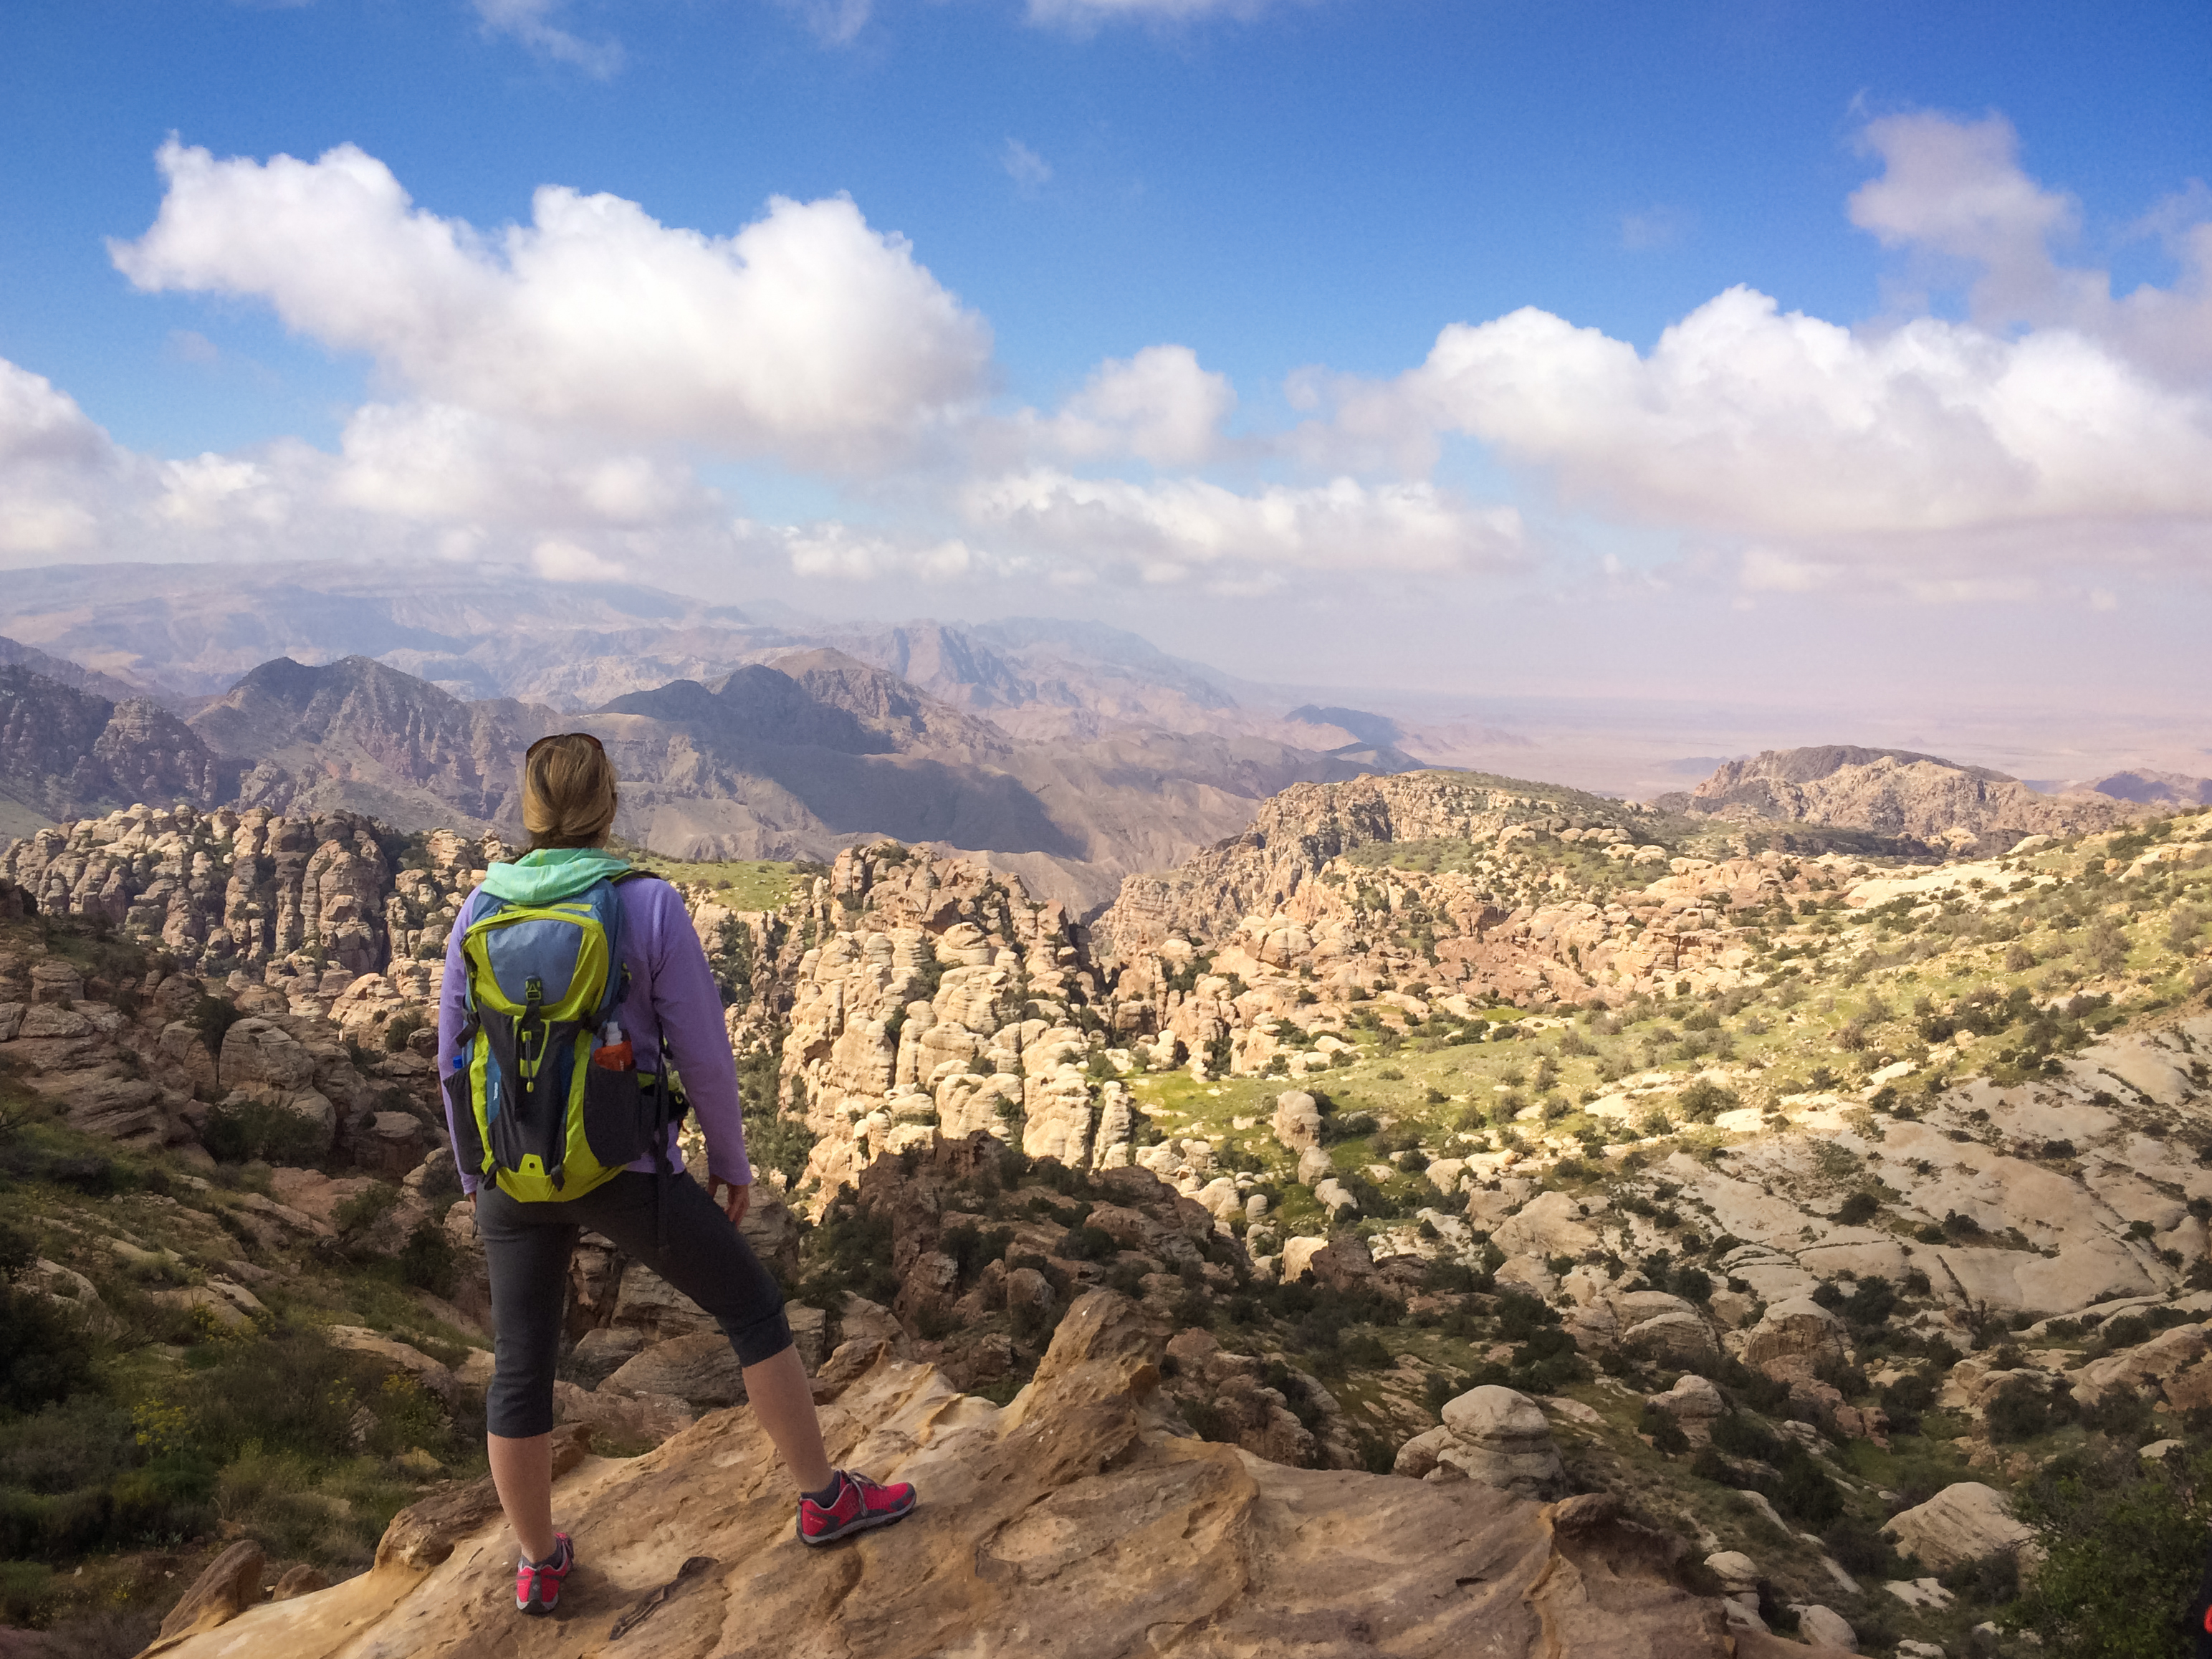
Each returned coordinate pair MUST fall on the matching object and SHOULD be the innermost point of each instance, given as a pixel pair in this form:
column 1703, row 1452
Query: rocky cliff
column 64, row 751
column 1072, row 1520
column 1894, row 791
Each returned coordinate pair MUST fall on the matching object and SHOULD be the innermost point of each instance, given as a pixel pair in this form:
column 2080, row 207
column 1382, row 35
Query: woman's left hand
column 732, row 1197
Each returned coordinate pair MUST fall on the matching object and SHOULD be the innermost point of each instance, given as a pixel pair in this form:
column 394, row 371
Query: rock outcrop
column 1073, row 1510
column 1964, row 1522
column 1894, row 791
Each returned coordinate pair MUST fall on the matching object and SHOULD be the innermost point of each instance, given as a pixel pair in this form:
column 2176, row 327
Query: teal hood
column 551, row 873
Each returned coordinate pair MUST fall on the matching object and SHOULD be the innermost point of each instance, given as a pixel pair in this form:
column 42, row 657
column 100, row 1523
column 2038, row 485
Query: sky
column 1843, row 357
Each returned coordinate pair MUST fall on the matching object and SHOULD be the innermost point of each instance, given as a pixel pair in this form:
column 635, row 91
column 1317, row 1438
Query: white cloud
column 531, row 22
column 807, row 335
column 1954, row 190
column 1030, row 171
column 1168, row 530
column 2057, row 426
column 565, row 562
column 1159, row 405
column 834, row 23
column 55, row 466
column 1744, row 417
column 434, row 462
column 838, row 552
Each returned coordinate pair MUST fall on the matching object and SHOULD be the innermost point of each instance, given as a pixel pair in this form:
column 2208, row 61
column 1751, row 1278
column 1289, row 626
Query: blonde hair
column 568, row 793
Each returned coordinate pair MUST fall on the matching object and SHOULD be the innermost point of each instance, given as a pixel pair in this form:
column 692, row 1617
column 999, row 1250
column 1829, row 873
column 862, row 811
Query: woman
column 692, row 1241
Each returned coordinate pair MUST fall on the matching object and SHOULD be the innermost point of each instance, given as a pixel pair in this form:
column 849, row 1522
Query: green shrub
column 262, row 1129
column 1704, row 1101
column 401, row 1028
column 2023, row 1408
column 1667, row 1435
column 45, row 1353
column 1859, row 1209
column 212, row 1017
column 2124, row 1543
column 427, row 1260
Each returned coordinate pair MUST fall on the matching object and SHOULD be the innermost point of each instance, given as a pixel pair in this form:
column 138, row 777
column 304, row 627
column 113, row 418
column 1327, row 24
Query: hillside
column 65, row 750
column 1814, row 1206
column 792, row 761
column 1894, row 791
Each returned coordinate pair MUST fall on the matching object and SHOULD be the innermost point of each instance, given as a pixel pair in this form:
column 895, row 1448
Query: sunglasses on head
column 531, row 753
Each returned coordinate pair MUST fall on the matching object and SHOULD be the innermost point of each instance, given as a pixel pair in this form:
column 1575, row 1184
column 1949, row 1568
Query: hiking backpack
column 540, row 1108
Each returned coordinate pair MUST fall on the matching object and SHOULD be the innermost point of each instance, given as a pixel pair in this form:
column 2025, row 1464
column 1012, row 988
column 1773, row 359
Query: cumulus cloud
column 531, row 21
column 2054, row 425
column 407, row 480
column 1746, row 417
column 1173, row 528
column 1159, row 405
column 808, row 335
column 1954, row 191
column 436, row 462
column 565, row 562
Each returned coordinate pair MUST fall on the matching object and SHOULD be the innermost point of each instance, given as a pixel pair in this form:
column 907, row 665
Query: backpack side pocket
column 468, row 1142
column 614, row 1116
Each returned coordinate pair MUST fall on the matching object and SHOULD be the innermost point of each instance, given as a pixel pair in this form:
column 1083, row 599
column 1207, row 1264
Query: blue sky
column 1308, row 188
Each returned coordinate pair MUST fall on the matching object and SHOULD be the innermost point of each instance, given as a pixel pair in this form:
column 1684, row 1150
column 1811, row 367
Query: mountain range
column 794, row 760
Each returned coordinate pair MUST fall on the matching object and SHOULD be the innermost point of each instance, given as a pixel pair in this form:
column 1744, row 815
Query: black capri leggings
column 528, row 1247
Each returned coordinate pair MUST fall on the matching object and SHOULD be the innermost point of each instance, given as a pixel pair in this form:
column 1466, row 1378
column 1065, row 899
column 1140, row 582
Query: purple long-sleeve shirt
column 672, row 991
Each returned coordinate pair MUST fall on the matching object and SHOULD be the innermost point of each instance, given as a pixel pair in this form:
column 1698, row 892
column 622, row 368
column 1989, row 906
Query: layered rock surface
column 1070, row 1521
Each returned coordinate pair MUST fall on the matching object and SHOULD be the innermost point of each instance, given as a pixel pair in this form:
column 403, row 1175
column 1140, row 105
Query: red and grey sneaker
column 538, row 1584
column 859, row 1504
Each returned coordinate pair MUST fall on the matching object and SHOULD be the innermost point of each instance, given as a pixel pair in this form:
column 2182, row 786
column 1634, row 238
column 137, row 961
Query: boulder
column 231, row 1583
column 1964, row 1522
column 1297, row 1120
column 1549, row 1224
column 598, row 1354
column 1297, row 1256
column 701, row 1370
column 1675, row 1339
column 429, row 1372
column 1344, row 1263
column 1800, row 1328
column 1330, row 1192
column 305, row 1579
column 651, row 1303
column 1824, row 1627
column 1419, row 1455
column 1501, row 1438
column 1736, row 1571
column 1692, row 1400
column 640, row 1419
column 258, row 1053
column 1314, row 1164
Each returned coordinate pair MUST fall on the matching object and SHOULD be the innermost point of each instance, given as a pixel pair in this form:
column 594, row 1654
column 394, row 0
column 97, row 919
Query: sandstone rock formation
column 1074, row 1510
column 1964, row 1522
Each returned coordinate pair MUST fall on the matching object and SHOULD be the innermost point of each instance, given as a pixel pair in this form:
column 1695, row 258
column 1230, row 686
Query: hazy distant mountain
column 64, row 752
column 359, row 735
column 1891, row 792
column 62, row 671
column 797, row 759
column 2152, row 788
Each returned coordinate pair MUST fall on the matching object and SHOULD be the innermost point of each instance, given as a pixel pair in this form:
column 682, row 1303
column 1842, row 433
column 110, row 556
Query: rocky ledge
column 1074, row 1522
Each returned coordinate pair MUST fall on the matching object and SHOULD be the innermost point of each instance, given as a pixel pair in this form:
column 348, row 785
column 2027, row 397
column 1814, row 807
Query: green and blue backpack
column 534, row 1111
